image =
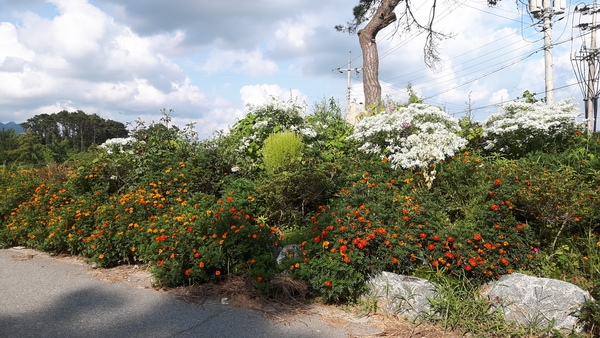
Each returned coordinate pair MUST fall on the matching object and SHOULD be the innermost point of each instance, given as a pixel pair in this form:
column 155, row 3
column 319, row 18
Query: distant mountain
column 12, row 125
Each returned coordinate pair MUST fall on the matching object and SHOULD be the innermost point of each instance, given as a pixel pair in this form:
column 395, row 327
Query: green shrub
column 281, row 148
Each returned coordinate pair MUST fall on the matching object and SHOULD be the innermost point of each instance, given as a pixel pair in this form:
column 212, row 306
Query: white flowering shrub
column 118, row 145
column 520, row 127
column 414, row 137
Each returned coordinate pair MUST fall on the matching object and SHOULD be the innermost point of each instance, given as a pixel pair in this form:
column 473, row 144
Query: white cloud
column 239, row 62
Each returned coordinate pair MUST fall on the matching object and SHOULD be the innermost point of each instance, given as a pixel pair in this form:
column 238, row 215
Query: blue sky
column 206, row 60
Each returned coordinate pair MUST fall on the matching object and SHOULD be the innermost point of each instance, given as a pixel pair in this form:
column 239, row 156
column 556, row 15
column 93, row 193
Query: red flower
column 431, row 247
column 161, row 238
column 394, row 260
column 436, row 237
column 328, row 284
column 497, row 182
column 218, row 272
column 477, row 237
column 259, row 279
column 188, row 272
column 494, row 207
column 422, row 235
column 450, row 239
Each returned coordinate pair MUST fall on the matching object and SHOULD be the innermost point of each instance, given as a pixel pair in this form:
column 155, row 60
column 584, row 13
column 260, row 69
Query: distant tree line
column 55, row 137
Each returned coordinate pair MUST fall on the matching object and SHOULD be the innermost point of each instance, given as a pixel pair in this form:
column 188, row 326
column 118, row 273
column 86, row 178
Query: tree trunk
column 382, row 18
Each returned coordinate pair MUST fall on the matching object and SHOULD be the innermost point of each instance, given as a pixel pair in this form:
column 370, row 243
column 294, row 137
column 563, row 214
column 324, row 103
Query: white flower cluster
column 117, row 144
column 410, row 137
column 530, row 120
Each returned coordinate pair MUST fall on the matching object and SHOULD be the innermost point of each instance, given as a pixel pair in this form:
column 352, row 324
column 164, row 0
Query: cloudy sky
column 206, row 60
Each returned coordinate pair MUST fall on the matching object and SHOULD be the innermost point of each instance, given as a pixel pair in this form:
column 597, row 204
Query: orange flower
column 328, row 284
column 430, row 247
column 394, row 260
column 436, row 238
column 188, row 272
column 477, row 237
column 450, row 239
column 494, row 207
column 201, row 264
column 218, row 272
column 259, row 279
column 497, row 182
column 422, row 235
column 101, row 256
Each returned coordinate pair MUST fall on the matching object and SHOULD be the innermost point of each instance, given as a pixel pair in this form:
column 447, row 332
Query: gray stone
column 292, row 250
column 536, row 301
column 405, row 295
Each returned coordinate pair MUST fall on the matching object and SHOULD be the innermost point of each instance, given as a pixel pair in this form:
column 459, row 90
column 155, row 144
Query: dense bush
column 281, row 148
column 357, row 201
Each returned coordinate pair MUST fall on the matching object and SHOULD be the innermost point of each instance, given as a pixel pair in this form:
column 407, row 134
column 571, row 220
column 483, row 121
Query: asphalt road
column 41, row 296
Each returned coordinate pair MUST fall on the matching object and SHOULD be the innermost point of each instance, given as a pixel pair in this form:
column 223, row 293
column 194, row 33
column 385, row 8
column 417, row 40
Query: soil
column 289, row 304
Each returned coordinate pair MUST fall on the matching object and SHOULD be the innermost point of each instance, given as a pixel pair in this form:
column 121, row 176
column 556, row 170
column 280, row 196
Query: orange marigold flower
column 430, row 247
column 229, row 199
column 328, row 284
column 218, row 272
column 394, row 260
column 494, row 207
column 450, row 239
column 435, row 237
column 259, row 279
column 188, row 272
column 422, row 235
column 101, row 256
column 477, row 237
column 497, row 182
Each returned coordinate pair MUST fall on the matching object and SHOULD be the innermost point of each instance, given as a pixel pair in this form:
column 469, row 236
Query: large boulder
column 405, row 295
column 537, row 301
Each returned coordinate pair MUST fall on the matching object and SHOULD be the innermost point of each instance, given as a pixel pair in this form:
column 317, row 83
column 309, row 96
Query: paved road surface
column 41, row 296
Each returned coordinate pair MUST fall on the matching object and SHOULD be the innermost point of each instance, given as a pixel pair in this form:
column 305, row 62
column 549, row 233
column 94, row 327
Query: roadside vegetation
column 408, row 189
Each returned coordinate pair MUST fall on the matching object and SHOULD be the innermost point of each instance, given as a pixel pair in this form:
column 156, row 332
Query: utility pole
column 348, row 70
column 548, row 65
column 585, row 63
column 545, row 10
column 592, row 103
